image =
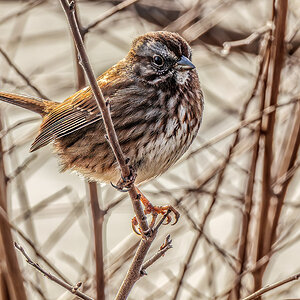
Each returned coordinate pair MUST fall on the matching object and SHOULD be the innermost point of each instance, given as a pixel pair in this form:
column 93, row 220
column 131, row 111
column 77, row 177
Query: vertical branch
column 287, row 163
column 276, row 63
column 246, row 218
column 16, row 288
column 97, row 213
column 107, row 120
column 98, row 218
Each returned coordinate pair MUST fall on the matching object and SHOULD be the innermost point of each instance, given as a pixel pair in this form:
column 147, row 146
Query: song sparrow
column 156, row 106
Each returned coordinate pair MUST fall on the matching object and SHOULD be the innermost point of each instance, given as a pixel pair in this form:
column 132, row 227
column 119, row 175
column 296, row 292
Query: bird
column 156, row 104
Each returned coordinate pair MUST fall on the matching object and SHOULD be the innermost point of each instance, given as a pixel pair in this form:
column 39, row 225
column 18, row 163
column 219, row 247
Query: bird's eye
column 158, row 60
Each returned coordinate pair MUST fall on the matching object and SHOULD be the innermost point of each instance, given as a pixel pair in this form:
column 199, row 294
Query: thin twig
column 22, row 167
column 15, row 287
column 134, row 272
column 72, row 289
column 206, row 22
column 17, row 125
column 244, row 123
column 109, row 13
column 97, row 212
column 3, row 216
column 246, row 41
column 162, row 250
column 270, row 287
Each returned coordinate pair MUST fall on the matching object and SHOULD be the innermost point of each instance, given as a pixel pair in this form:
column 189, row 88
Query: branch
column 9, row 262
column 109, row 13
column 3, row 216
column 248, row 40
column 244, row 123
column 97, row 212
column 104, row 109
column 98, row 218
column 267, row 224
column 162, row 250
column 24, row 9
column 270, row 287
column 134, row 272
column 70, row 288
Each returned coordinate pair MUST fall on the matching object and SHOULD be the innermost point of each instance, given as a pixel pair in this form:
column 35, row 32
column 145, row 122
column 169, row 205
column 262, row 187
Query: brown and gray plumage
column 156, row 106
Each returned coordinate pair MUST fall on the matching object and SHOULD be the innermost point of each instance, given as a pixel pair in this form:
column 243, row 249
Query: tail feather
column 37, row 105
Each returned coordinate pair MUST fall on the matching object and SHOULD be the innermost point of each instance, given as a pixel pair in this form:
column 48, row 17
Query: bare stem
column 98, row 218
column 161, row 252
column 134, row 272
column 70, row 288
column 270, row 287
column 109, row 13
column 9, row 263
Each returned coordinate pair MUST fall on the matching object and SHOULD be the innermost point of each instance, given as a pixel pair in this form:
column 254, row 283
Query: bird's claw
column 162, row 210
column 120, row 188
column 134, row 224
column 155, row 211
column 125, row 183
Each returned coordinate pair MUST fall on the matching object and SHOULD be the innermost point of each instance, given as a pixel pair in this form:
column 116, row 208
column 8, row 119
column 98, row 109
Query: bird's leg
column 155, row 211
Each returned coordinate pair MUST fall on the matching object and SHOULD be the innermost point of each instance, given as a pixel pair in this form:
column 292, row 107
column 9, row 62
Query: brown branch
column 98, row 218
column 246, row 41
column 72, row 289
column 42, row 204
column 97, row 212
column 185, row 18
column 206, row 23
column 246, row 217
column 3, row 216
column 270, row 287
column 21, row 168
column 162, row 250
column 134, row 272
column 104, row 109
column 14, row 280
column 275, row 66
column 5, row 131
column 287, row 163
column 109, row 13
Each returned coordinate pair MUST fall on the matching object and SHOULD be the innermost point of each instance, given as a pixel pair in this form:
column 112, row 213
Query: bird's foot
column 155, row 211
column 124, row 184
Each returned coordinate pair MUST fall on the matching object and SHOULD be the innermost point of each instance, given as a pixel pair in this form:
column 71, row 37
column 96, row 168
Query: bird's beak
column 184, row 64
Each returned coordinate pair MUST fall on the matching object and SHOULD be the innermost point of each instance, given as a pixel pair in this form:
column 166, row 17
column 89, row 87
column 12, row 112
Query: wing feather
column 79, row 110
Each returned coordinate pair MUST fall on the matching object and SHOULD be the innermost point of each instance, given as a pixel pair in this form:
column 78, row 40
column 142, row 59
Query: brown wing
column 78, row 111
column 67, row 117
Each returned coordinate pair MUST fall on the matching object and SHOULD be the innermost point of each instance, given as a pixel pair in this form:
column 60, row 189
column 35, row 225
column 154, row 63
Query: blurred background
column 237, row 188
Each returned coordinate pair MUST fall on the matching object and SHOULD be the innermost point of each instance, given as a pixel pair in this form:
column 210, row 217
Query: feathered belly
column 88, row 153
